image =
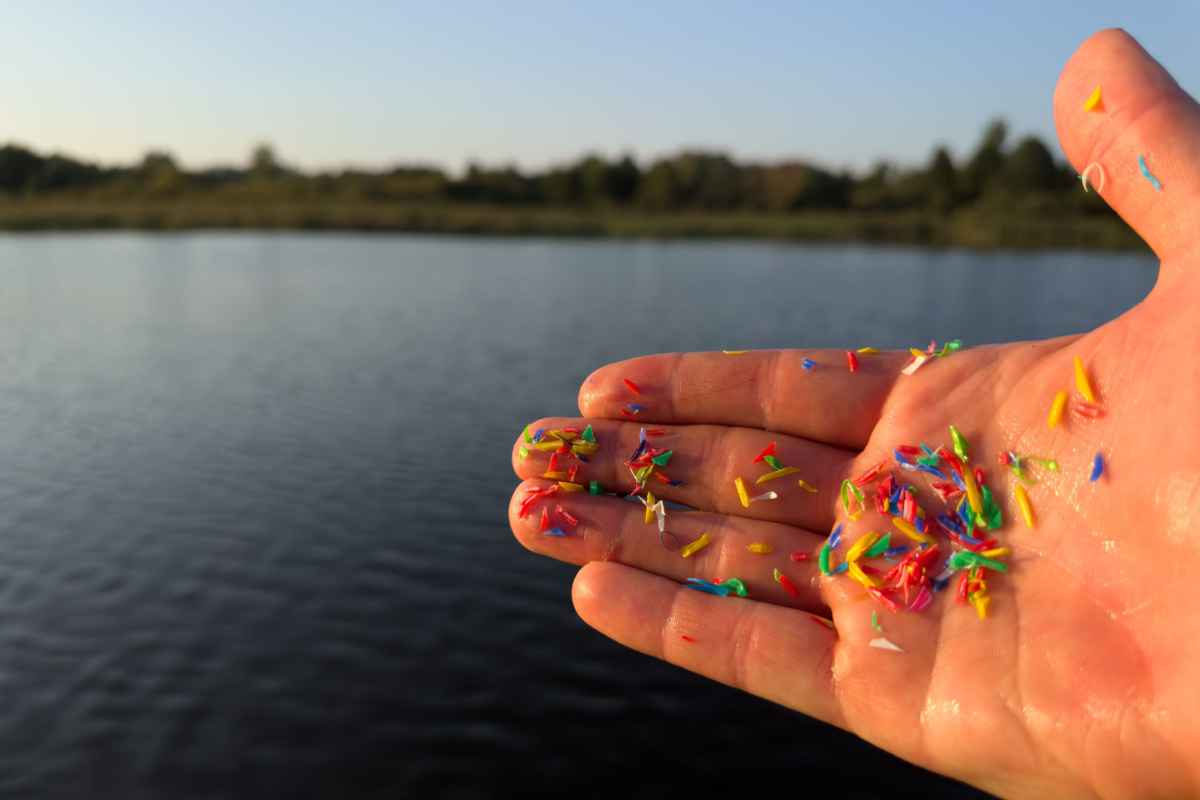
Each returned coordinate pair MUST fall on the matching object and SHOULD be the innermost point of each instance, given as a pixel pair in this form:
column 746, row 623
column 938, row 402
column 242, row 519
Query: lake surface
column 253, row 496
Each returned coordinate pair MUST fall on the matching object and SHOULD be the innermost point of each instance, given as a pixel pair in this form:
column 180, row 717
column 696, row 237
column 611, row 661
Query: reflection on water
column 253, row 493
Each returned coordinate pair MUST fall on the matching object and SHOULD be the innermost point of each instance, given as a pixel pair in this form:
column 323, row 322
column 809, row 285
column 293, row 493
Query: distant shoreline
column 963, row 228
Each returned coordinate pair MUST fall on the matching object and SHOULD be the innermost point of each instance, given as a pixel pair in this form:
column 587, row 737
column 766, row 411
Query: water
column 253, row 495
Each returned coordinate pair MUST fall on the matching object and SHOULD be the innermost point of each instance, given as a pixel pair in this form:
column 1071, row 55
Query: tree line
column 994, row 174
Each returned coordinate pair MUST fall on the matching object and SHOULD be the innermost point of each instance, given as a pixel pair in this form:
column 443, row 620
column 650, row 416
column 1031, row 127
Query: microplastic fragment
column 1147, row 175
column 842, row 568
column 864, row 544
column 799, row 556
column 687, row 638
column 1087, row 410
column 773, row 462
column 655, row 432
column 649, row 503
column 1023, row 502
column 779, row 473
column 879, row 548
column 663, row 459
column 741, row 490
column 567, row 515
column 1082, row 383
column 1094, row 103
column 965, row 558
column 1084, row 177
column 537, row 435
column 823, row 559
column 545, row 520
column 961, row 448
column 687, row 550
column 661, row 512
column 852, row 360
column 635, row 409
column 857, row 573
column 1056, row 410
column 915, row 365
column 981, row 606
column 875, row 621
column 884, row 644
column 806, row 487
column 734, row 585
column 735, row 352
column 762, row 548
column 571, row 487
column 554, row 476
column 554, row 532
column 791, row 589
column 828, row 623
column 1097, row 468
column 766, row 496
column 661, row 534
column 629, row 414
column 769, row 450
column 997, row 552
column 594, row 488
column 835, row 537
column 808, row 364
column 632, row 386
column 701, row 585
column 528, row 438
column 524, row 451
column 869, row 351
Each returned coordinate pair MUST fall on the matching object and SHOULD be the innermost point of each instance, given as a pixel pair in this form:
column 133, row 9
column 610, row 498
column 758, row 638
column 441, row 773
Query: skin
column 1082, row 680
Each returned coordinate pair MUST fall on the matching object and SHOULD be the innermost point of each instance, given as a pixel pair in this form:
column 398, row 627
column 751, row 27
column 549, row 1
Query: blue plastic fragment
column 702, row 585
column 1097, row 466
column 636, row 408
column 895, row 551
column 928, row 452
column 643, row 434
column 538, row 434
column 952, row 523
column 676, row 484
column 641, row 448
column 958, row 480
column 845, row 566
column 932, row 471
column 808, row 364
column 661, row 534
column 919, row 524
column 835, row 538
column 583, row 458
column 1149, row 177
column 971, row 540
column 554, row 532
column 937, row 585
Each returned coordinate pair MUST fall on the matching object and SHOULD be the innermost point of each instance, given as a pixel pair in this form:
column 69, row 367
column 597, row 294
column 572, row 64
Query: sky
column 532, row 84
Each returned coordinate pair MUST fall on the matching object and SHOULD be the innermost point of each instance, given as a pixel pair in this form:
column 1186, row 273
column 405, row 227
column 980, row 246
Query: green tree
column 986, row 163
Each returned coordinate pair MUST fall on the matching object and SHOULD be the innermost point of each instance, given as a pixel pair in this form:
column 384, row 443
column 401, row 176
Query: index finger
column 769, row 389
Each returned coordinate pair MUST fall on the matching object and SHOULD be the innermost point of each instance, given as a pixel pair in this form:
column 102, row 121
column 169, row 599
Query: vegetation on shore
column 1000, row 197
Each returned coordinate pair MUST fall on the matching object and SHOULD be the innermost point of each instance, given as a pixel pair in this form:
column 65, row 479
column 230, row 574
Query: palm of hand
column 1079, row 680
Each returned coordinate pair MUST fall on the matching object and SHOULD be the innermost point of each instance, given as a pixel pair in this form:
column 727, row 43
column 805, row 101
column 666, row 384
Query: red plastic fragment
column 545, row 520
column 632, row 386
column 853, row 360
column 768, row 451
column 553, row 463
column 571, row 472
column 788, row 585
column 663, row 478
column 881, row 504
column 687, row 638
column 567, row 515
column 945, row 490
column 861, row 480
column 1004, row 458
column 569, row 430
column 909, row 507
column 883, row 599
column 961, row 598
column 628, row 413
column 525, row 504
column 979, row 477
column 656, row 432
column 799, row 556
column 1086, row 409
column 824, row 623
column 909, row 450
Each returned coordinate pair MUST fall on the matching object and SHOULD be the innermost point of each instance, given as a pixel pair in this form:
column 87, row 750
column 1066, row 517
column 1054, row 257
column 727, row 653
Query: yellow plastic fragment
column 547, row 447
column 806, row 487
column 861, row 546
column 779, row 473
column 911, row 532
column 997, row 552
column 567, row 436
column 973, row 497
column 649, row 508
column 1082, row 383
column 701, row 543
column 1056, row 410
column 1094, row 103
column 855, row 571
column 555, row 476
column 735, row 352
column 869, row 351
column 760, row 547
column 741, row 489
column 585, row 447
column 1023, row 502
column 917, row 353
column 571, row 487
column 981, row 605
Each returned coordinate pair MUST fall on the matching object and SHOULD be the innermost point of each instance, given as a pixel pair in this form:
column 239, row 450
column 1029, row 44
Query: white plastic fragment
column 1084, row 177
column 884, row 644
column 915, row 365
column 767, row 496
column 661, row 512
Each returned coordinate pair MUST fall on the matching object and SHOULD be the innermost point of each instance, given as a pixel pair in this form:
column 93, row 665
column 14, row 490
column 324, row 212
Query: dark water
column 253, row 493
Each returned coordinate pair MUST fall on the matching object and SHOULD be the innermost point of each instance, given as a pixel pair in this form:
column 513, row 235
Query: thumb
column 1145, row 115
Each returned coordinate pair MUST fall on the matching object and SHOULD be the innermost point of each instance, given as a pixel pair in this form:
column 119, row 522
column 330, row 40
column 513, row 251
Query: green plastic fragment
column 587, row 433
column 967, row 559
column 1021, row 474
column 773, row 461
column 823, row 559
column 929, row 461
column 663, row 459
column 961, row 448
column 995, row 520
column 877, row 549
column 875, row 621
column 528, row 438
column 524, row 451
column 735, row 585
column 955, row 346
column 594, row 488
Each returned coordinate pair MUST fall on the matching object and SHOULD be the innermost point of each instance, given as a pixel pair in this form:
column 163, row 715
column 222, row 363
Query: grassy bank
column 966, row 228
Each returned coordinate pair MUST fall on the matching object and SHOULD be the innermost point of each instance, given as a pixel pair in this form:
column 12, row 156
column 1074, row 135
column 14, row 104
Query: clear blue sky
column 535, row 83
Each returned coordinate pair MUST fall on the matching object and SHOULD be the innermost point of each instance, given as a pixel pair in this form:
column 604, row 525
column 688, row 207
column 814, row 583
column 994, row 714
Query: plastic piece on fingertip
column 649, row 503
column 779, row 473
column 865, row 543
column 734, row 585
column 923, row 598
column 828, row 623
column 735, row 352
column 916, row 364
column 1056, row 410
column 823, row 560
column 884, row 644
column 875, row 621
column 701, row 585
column 961, row 448
column 527, row 436
column 687, row 638
column 1082, row 383
column 663, row 459
column 1146, row 174
column 661, row 534
column 762, row 548
column 628, row 413
column 545, row 520
column 635, row 409
column 879, row 548
column 1097, row 468
column 594, row 488
column 524, row 451
column 857, row 573
column 765, row 496
column 567, row 486
column 588, row 435
column 852, row 360
column 835, row 537
column 554, row 532
column 1095, row 165
column 869, row 351
column 740, row 485
column 1094, row 103
column 783, row 579
column 808, row 364
column 800, row 556
column 688, row 550
column 1087, row 410
column 1023, row 504
column 842, row 568
column 773, row 462
column 571, row 519
column 769, row 450
column 632, row 386
column 806, row 487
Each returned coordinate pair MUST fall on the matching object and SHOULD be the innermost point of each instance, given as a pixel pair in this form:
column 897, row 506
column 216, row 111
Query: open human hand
column 1081, row 679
